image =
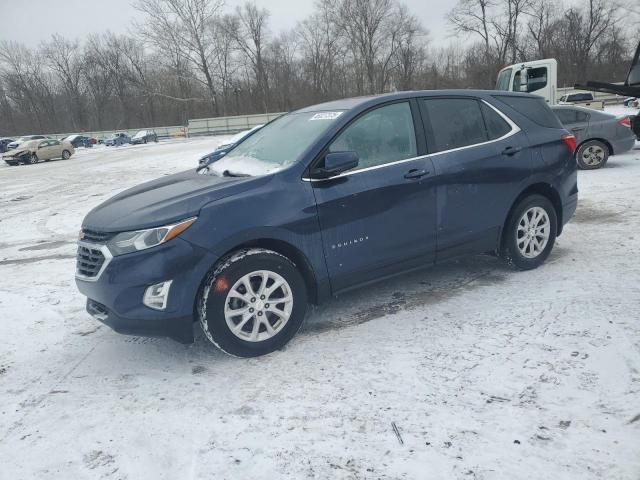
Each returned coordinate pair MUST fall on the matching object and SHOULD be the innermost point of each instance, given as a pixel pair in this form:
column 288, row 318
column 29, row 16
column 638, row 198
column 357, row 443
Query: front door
column 378, row 218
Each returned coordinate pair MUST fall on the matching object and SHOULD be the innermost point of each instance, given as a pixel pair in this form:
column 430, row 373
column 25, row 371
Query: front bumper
column 115, row 297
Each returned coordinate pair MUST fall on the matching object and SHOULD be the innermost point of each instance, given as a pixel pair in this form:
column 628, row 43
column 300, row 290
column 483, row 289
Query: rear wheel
column 530, row 233
column 252, row 303
column 66, row 154
column 592, row 155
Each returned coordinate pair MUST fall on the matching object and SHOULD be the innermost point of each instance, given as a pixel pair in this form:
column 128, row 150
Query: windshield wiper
column 228, row 173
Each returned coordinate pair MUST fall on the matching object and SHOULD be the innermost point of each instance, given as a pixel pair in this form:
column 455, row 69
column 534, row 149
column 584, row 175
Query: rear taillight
column 625, row 122
column 569, row 141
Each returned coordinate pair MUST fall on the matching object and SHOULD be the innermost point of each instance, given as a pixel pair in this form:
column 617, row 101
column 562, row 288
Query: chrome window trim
column 107, row 259
column 514, row 129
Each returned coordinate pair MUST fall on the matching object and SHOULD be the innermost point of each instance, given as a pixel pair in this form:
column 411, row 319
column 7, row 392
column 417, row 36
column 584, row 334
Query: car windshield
column 275, row 146
column 141, row 133
column 239, row 136
column 502, row 83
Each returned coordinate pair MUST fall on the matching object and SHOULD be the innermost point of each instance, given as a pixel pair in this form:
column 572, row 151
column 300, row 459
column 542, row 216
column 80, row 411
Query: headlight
column 127, row 242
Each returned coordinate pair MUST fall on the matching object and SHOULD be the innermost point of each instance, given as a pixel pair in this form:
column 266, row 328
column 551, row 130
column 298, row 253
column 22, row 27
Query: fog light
column 156, row 296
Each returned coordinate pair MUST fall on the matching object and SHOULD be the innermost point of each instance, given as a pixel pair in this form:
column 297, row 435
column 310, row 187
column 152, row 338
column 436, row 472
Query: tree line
column 194, row 58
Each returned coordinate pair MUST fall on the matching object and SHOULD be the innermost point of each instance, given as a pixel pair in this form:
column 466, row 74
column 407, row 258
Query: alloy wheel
column 593, row 155
column 258, row 306
column 533, row 231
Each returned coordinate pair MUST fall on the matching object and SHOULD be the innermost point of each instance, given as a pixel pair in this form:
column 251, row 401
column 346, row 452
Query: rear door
column 55, row 148
column 44, row 150
column 481, row 158
column 378, row 218
column 576, row 121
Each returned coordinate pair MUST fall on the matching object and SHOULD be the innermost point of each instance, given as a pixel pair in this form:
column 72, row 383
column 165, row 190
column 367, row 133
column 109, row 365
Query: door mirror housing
column 335, row 164
column 524, row 80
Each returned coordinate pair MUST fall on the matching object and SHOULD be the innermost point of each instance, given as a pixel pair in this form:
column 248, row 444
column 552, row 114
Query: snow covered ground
column 487, row 373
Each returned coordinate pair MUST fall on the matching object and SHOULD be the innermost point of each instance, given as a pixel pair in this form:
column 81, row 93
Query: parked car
column 144, row 136
column 635, row 125
column 631, row 102
column 79, row 141
column 117, row 139
column 598, row 134
column 584, row 99
column 4, row 142
column 26, row 138
column 323, row 200
column 34, row 151
column 226, row 146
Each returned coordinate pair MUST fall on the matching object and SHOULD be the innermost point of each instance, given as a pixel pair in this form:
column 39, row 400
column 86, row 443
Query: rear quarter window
column 497, row 127
column 534, row 108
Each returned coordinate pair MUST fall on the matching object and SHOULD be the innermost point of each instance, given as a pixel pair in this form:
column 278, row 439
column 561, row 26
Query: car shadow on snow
column 429, row 286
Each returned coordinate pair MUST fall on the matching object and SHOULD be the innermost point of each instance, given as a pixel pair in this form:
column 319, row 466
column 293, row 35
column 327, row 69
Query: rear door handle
column 577, row 129
column 415, row 173
column 511, row 151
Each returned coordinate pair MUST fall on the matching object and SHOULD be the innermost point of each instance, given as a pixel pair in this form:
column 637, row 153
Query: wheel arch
column 541, row 188
column 601, row 140
column 290, row 251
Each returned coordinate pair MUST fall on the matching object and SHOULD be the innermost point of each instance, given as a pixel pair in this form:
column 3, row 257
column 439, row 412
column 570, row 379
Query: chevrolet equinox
column 323, row 200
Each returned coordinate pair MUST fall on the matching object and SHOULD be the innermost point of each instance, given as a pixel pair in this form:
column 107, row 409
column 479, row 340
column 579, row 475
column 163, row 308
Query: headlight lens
column 128, row 242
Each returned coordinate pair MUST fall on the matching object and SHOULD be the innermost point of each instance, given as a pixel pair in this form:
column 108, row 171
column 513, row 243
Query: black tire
column 510, row 251
column 66, row 154
column 221, row 279
column 33, row 159
column 592, row 155
column 145, row 141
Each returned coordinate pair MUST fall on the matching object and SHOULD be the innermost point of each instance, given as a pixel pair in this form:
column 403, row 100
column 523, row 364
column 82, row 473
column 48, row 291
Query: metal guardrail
column 196, row 127
column 162, row 132
column 223, row 125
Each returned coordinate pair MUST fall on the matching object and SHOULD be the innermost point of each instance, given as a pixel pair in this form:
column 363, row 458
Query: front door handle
column 415, row 173
column 511, row 151
column 577, row 129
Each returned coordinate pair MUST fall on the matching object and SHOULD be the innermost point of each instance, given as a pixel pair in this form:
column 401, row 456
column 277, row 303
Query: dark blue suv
column 323, row 200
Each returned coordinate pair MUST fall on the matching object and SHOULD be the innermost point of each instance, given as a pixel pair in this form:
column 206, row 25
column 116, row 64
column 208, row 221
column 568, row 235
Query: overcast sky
column 31, row 21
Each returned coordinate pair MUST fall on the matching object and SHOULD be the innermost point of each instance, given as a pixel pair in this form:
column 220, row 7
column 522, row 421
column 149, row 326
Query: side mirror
column 335, row 164
column 524, row 80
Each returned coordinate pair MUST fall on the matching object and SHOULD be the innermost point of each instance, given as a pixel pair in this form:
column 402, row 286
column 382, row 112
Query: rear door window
column 455, row 123
column 566, row 116
column 581, row 116
column 383, row 135
column 534, row 108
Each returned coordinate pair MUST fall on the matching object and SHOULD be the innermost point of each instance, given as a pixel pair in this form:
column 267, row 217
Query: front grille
column 96, row 237
column 89, row 261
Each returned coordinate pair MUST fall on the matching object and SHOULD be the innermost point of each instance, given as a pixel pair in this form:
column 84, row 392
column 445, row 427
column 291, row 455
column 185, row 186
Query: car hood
column 163, row 201
column 16, row 152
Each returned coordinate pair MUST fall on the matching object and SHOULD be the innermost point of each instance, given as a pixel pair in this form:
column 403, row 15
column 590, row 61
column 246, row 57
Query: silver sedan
column 598, row 134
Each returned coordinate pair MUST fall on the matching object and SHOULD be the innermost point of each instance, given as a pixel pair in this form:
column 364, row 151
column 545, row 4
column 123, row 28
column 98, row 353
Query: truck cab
column 539, row 77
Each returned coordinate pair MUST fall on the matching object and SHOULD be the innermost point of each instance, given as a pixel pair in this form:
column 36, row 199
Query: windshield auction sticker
column 326, row 116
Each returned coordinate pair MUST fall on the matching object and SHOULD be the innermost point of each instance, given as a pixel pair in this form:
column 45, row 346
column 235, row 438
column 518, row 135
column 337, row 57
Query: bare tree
column 250, row 33
column 188, row 24
column 65, row 59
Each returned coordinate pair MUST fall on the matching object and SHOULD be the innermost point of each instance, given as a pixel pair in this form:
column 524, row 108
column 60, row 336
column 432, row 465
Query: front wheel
column 66, row 154
column 252, row 303
column 592, row 155
column 530, row 233
column 33, row 159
